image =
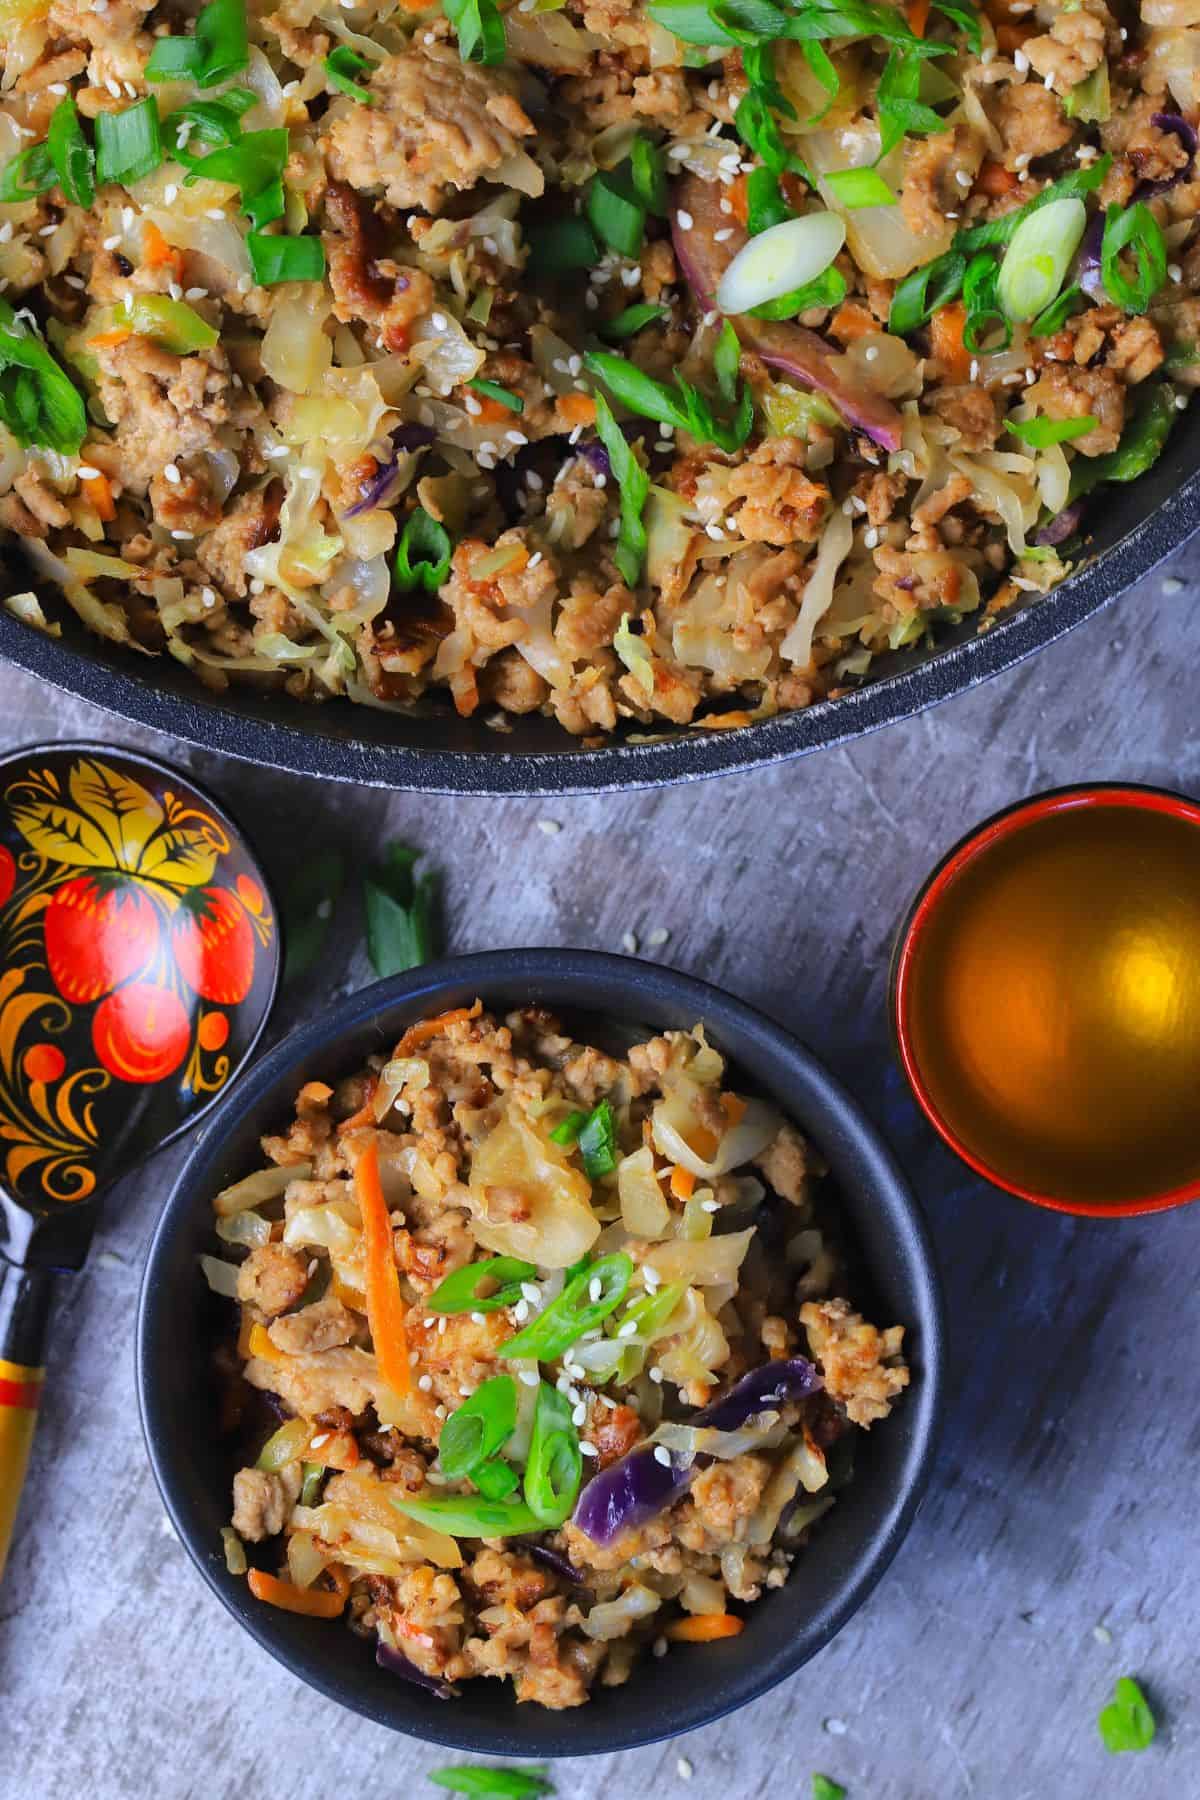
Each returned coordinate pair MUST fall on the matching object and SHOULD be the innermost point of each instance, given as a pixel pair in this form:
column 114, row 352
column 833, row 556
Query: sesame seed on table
column 1056, row 1550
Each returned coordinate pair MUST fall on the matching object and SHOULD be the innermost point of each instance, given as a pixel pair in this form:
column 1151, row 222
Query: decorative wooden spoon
column 139, row 956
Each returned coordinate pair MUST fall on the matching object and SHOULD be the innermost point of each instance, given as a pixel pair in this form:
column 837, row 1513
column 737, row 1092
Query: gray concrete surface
column 1057, row 1549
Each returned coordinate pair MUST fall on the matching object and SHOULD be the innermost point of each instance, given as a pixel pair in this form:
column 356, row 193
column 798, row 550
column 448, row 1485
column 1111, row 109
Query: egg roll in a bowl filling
column 538, row 1358
column 642, row 363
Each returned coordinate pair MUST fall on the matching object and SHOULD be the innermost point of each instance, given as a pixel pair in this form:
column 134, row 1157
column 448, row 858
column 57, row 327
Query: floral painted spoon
column 139, row 956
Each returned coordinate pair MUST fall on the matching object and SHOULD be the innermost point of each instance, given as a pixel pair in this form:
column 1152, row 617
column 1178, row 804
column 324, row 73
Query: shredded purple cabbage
column 641, row 1485
column 1175, row 125
column 396, row 1663
column 1087, row 262
column 405, row 437
column 595, row 454
column 562, row 1565
column 1062, row 526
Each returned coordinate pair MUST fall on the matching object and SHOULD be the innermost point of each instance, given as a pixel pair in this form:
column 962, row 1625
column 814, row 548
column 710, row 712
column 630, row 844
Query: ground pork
column 780, row 504
column 971, row 411
column 435, row 124
column 860, row 1364
column 272, row 1279
column 1072, row 48
column 785, row 1165
column 1065, row 392
column 939, row 172
column 164, row 406
column 317, row 1327
column 1031, row 123
column 262, row 1502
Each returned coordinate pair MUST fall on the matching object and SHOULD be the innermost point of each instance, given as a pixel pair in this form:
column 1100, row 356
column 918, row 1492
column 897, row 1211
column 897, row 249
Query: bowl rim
column 581, row 972
column 124, row 687
column 1077, row 797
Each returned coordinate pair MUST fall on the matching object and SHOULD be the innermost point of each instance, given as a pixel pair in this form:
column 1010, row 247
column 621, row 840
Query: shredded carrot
column 385, row 1309
column 683, row 1183
column 734, row 1108
column 577, row 409
column 852, row 321
column 339, row 1451
column 704, row 1628
column 99, row 495
column 421, row 1033
column 318, row 1603
column 996, row 181
column 946, row 336
column 156, row 252
column 464, row 691
column 725, row 721
column 737, row 194
column 259, row 1344
column 108, row 340
column 491, row 411
column 704, row 1142
column 917, row 14
column 316, row 1093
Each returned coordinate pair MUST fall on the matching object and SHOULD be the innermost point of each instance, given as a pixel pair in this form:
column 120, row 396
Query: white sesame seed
column 114, row 87
column 323, row 1438
column 57, row 87
column 662, row 1455
column 595, row 1289
column 550, row 827
column 684, row 220
column 112, row 243
column 710, row 1206
column 214, row 212
column 660, row 1646
column 438, row 321
column 685, row 1769
column 181, row 534
column 870, row 537
column 722, row 236
column 1174, row 271
column 172, row 473
column 530, row 1377
column 650, row 1274
column 656, row 1373
column 520, row 1311
column 628, row 1329
column 629, row 943
column 1048, row 79
column 531, row 1293
column 585, row 1449
column 170, row 194
column 195, row 293
column 1020, row 62
column 425, row 1383
column 86, row 472
column 579, row 1415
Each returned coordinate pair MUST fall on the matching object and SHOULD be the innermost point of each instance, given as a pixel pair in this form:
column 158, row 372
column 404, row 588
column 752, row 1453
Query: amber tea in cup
column 1046, row 1000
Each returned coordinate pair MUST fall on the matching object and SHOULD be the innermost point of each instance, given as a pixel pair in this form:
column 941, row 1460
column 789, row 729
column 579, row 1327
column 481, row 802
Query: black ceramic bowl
column 432, row 750
column 693, row 1685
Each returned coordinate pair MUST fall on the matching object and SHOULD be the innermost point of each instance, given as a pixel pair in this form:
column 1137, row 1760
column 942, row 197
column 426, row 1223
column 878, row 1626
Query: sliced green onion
column 472, row 1515
column 212, row 121
column 920, row 294
column 562, row 247
column 276, row 259
column 827, row 290
column 598, row 1138
column 567, row 1130
column 574, row 1311
column 496, row 1480
column 984, row 314
column 128, row 144
column 423, row 553
column 491, row 390
column 1090, row 100
column 71, row 154
column 684, row 407
column 856, row 188
column 254, row 164
column 482, row 1286
column 765, row 204
column 780, row 260
column 1038, row 256
column 727, row 361
column 554, row 1468
column 477, row 1429
column 1057, row 313
column 284, row 1446
column 648, row 175
column 218, row 49
column 628, row 323
column 174, row 324
column 479, row 29
column 1039, row 433
column 1068, row 187
column 899, row 109
column 341, row 66
column 38, row 402
column 618, row 219
column 310, row 1486
column 1142, row 442
column 1136, row 232
column 27, row 175
column 481, row 1783
column 633, row 485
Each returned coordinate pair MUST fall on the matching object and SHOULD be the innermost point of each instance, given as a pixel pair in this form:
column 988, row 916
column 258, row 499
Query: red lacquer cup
column 913, row 937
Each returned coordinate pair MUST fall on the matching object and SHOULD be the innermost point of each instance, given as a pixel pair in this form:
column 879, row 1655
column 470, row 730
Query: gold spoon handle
column 24, row 1312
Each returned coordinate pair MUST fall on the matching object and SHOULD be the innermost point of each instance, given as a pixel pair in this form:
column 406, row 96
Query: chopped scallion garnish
column 341, row 66
column 855, row 188
column 479, row 28
column 218, row 48
column 562, row 247
column 634, row 318
column 633, row 485
column 423, row 553
column 1039, row 433
column 491, row 390
column 1133, row 232
column 38, row 402
column 128, row 144
column 276, row 259
column 71, row 154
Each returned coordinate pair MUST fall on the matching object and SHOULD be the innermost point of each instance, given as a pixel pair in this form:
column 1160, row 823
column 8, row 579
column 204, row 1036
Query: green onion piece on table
column 554, row 1467
column 481, row 1783
column 400, row 904
column 584, row 1303
column 482, row 1286
column 1127, row 1722
column 477, row 1429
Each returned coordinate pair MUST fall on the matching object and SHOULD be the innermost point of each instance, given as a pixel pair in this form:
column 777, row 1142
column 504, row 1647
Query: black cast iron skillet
column 1131, row 529
column 694, row 1684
